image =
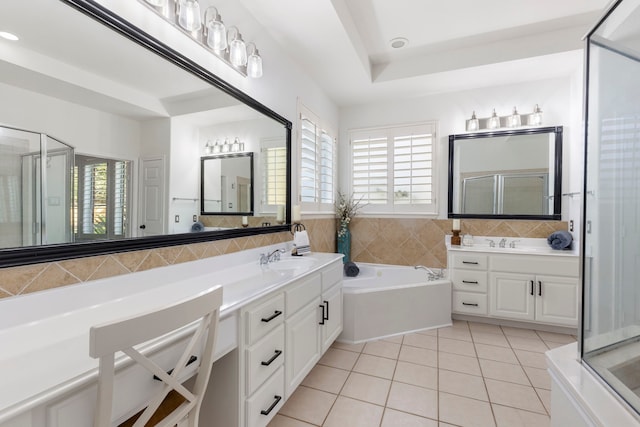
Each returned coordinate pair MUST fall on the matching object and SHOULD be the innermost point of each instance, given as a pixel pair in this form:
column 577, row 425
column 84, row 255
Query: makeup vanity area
column 276, row 322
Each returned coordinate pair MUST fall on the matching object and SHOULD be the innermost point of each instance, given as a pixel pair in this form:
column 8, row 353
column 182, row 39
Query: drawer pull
column 475, row 304
column 170, row 371
column 470, row 262
column 274, row 357
column 273, row 405
column 323, row 315
column 327, row 304
column 531, row 290
column 539, row 288
column 270, row 318
column 470, row 282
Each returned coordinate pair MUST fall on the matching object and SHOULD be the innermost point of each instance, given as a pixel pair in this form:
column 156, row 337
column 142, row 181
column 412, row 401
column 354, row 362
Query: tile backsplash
column 378, row 240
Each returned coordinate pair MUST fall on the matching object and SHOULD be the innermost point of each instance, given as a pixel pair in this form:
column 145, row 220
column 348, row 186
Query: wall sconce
column 514, row 119
column 226, row 45
column 494, row 121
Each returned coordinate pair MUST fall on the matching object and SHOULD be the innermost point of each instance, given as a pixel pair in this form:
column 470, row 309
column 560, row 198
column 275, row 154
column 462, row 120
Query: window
column 317, row 164
column 393, row 168
column 274, row 173
column 101, row 199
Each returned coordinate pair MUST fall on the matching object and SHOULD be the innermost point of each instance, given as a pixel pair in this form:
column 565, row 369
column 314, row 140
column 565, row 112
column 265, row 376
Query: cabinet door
column 557, row 300
column 302, row 347
column 332, row 300
column 511, row 296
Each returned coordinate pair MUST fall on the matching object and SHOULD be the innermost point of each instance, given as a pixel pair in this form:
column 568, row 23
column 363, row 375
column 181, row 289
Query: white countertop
column 523, row 246
column 44, row 336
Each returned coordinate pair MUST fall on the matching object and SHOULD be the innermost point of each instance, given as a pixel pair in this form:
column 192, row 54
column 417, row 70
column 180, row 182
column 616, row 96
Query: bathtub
column 387, row 300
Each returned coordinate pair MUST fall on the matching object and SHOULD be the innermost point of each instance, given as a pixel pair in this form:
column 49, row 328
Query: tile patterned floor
column 467, row 375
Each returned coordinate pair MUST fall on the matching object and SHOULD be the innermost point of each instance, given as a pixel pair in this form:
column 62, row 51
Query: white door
column 557, row 300
column 512, row 295
column 152, row 197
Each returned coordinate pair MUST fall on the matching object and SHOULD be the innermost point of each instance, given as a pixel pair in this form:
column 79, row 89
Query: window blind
column 317, row 164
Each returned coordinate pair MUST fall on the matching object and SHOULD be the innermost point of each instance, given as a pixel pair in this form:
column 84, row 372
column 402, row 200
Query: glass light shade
column 238, row 52
column 216, row 35
column 236, row 145
column 514, row 119
column 208, row 148
column 216, row 147
column 189, row 15
column 473, row 123
column 226, row 147
column 254, row 65
column 536, row 117
column 494, row 121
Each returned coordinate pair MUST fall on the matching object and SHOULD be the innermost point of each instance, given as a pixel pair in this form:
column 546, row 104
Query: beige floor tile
column 410, row 373
column 367, row 388
column 422, row 341
column 531, row 358
column 396, row 339
column 490, row 339
column 446, row 425
column 464, row 348
column 512, row 417
column 462, row 324
column 415, row 400
column 375, row 365
column 554, row 337
column 551, row 345
column 545, row 396
column 421, row 356
column 386, row 349
column 353, row 413
column 455, row 333
column 462, row 384
column 326, row 378
column 503, row 372
column 519, row 332
column 309, row 405
column 539, row 377
column 459, row 363
column 514, row 395
column 528, row 344
column 282, row 421
column 431, row 332
column 393, row 418
column 485, row 327
column 499, row 354
column 346, row 346
column 465, row 412
column 341, row 359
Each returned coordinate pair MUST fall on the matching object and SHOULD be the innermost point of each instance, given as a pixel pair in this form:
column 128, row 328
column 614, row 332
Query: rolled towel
column 351, row 269
column 560, row 240
column 197, row 227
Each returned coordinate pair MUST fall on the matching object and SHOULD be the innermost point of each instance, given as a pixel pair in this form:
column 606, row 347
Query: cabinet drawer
column 469, row 280
column 267, row 401
column 264, row 318
column 469, row 261
column 264, row 358
column 467, row 302
column 332, row 275
column 302, row 294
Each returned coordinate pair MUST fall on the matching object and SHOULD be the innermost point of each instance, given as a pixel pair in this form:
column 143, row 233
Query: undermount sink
column 293, row 263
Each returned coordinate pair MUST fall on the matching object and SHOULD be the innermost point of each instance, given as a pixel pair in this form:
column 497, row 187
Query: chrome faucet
column 492, row 244
column 512, row 245
column 432, row 274
column 271, row 257
column 502, row 243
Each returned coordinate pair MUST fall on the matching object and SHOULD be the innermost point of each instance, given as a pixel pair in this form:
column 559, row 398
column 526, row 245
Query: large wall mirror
column 513, row 174
column 101, row 134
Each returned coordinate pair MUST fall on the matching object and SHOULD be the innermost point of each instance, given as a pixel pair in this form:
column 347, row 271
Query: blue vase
column 343, row 240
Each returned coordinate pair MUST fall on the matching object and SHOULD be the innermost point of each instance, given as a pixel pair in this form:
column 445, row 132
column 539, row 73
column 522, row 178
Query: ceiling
column 452, row 45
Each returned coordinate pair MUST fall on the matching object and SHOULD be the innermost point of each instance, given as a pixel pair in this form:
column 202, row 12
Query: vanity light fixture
column 494, row 121
column 214, row 31
column 189, row 15
column 9, row 36
column 237, row 48
column 514, row 119
column 473, row 124
column 536, row 117
column 254, row 62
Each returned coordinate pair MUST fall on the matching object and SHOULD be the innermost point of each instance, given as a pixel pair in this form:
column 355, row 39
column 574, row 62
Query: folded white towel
column 301, row 242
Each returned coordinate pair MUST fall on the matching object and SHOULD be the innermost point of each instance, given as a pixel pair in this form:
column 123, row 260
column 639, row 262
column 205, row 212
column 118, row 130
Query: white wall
column 558, row 99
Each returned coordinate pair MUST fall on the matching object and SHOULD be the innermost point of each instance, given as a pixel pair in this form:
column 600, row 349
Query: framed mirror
column 226, row 186
column 134, row 117
column 511, row 174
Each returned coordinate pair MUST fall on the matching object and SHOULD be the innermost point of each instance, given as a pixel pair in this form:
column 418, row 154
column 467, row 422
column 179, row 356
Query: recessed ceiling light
column 9, row 36
column 399, row 42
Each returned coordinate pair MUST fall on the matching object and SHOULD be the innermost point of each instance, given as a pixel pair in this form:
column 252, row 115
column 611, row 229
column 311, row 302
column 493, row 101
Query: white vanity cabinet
column 540, row 288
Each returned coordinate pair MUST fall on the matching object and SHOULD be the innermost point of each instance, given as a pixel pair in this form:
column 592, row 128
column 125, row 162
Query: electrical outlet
column 195, row 218
column 176, row 218
column 571, row 225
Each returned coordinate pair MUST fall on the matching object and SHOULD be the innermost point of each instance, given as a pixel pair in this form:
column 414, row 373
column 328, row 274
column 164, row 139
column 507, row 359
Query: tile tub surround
column 414, row 241
column 469, row 374
column 39, row 277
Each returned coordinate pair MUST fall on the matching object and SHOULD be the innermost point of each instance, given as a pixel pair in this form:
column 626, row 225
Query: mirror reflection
column 508, row 174
column 227, row 184
column 124, row 128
